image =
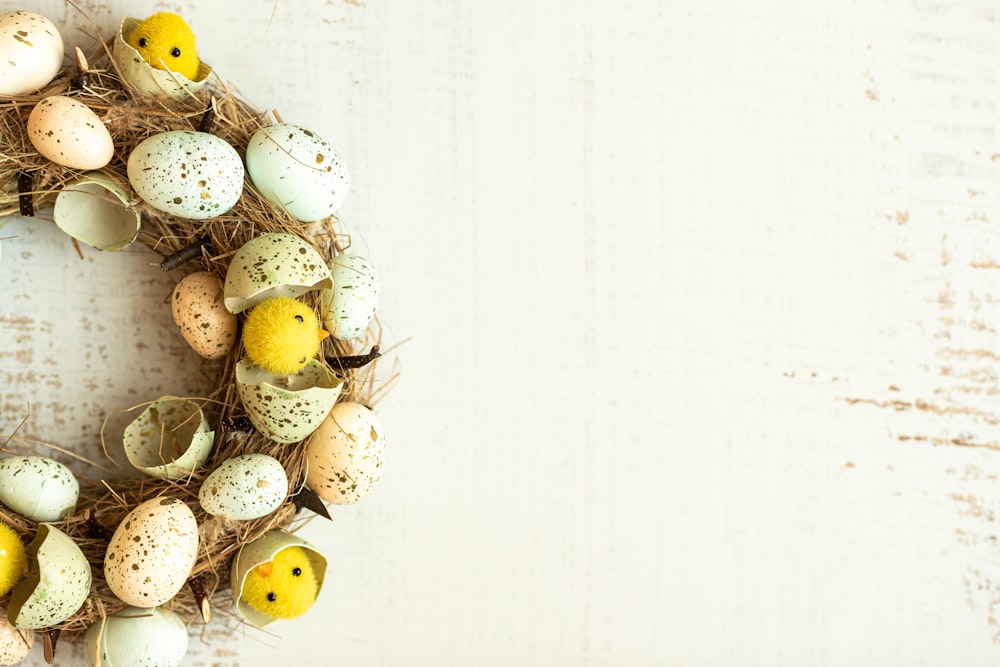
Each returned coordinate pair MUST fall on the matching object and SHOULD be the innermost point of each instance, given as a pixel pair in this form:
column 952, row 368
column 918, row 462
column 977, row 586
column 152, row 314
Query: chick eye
column 302, row 360
column 142, row 41
column 297, row 572
column 298, row 318
column 175, row 52
column 271, row 597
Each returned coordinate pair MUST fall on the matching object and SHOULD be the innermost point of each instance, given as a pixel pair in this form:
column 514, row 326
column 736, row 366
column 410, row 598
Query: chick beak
column 322, row 333
column 264, row 569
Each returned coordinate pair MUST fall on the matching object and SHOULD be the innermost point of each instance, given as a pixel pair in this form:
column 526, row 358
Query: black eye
column 297, row 572
column 298, row 318
column 142, row 41
column 302, row 360
column 271, row 597
column 175, row 52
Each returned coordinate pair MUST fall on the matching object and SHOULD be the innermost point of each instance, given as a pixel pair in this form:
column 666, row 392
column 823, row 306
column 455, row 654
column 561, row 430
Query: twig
column 81, row 79
column 184, row 255
column 201, row 598
column 209, row 117
column 357, row 361
column 25, row 200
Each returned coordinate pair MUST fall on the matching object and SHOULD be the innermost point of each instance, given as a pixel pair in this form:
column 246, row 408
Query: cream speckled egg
column 31, row 52
column 14, row 644
column 294, row 169
column 38, row 487
column 349, row 307
column 152, row 552
column 67, row 132
column 273, row 265
column 136, row 637
column 244, row 487
column 189, row 174
column 346, row 454
column 200, row 312
column 57, row 584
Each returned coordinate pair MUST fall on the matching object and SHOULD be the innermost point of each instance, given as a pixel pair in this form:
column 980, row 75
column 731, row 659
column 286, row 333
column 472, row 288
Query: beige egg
column 200, row 312
column 346, row 454
column 152, row 552
column 14, row 644
column 67, row 132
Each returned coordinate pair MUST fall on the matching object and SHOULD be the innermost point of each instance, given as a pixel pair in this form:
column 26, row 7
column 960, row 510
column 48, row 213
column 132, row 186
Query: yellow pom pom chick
column 281, row 335
column 12, row 559
column 166, row 42
column 284, row 587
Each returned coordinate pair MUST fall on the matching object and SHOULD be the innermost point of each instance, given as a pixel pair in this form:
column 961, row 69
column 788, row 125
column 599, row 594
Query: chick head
column 284, row 587
column 12, row 558
column 166, row 42
column 281, row 335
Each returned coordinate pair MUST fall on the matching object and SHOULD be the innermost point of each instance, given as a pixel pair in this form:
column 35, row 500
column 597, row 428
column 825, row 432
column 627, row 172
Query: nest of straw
column 103, row 503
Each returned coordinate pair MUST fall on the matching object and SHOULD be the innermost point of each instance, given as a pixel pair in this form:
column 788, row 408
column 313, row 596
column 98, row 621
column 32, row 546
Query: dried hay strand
column 104, row 501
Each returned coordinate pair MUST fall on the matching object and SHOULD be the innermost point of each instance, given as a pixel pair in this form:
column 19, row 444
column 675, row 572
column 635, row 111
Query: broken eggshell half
column 57, row 583
column 145, row 78
column 287, row 408
column 95, row 210
column 272, row 265
column 170, row 439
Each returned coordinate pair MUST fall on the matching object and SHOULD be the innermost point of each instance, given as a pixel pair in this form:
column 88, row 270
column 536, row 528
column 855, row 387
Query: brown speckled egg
column 152, row 552
column 287, row 408
column 346, row 454
column 14, row 644
column 67, row 132
column 57, row 584
column 273, row 265
column 244, row 487
column 201, row 314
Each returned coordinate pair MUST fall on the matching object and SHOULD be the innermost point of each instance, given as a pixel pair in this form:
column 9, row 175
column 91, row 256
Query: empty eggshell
column 133, row 637
column 272, row 265
column 97, row 211
column 170, row 439
column 346, row 454
column 296, row 170
column 31, row 52
column 201, row 314
column 14, row 644
column 145, row 78
column 67, row 132
column 57, row 584
column 244, row 487
column 152, row 552
column 189, row 174
column 38, row 487
column 349, row 307
column 287, row 408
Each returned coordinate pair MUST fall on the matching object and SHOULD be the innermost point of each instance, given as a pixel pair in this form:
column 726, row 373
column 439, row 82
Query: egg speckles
column 152, row 552
column 193, row 175
column 200, row 313
column 287, row 408
column 14, row 644
column 273, row 265
column 57, row 584
column 244, row 487
column 67, row 132
column 346, row 454
column 31, row 52
column 38, row 487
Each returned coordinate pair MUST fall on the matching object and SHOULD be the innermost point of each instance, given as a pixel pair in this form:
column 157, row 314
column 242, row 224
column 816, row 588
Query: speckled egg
column 287, row 408
column 67, row 132
column 189, row 174
column 38, row 487
column 31, row 52
column 57, row 584
column 136, row 637
column 349, row 307
column 200, row 312
column 14, row 644
column 296, row 170
column 244, row 487
column 273, row 265
column 346, row 454
column 152, row 552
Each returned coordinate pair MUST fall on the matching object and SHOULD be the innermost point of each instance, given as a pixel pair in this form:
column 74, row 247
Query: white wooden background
column 697, row 304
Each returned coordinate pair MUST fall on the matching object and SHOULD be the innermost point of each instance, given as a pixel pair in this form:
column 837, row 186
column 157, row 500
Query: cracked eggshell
column 296, row 170
column 261, row 551
column 31, row 52
column 272, row 265
column 38, row 487
column 97, row 211
column 57, row 584
column 145, row 78
column 349, row 307
column 67, row 132
column 244, row 487
column 346, row 454
column 287, row 408
column 189, row 174
column 201, row 314
column 133, row 637
column 170, row 439
column 14, row 644
column 152, row 552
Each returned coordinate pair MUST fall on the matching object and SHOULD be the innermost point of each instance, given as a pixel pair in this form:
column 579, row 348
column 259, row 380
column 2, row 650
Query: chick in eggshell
column 166, row 42
column 281, row 335
column 284, row 587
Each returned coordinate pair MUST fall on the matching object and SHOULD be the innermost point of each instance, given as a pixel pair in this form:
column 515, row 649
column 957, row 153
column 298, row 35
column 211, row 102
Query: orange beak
column 322, row 333
column 265, row 569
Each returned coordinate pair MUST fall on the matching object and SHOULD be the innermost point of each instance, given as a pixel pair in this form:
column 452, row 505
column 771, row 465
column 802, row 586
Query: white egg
column 189, row 174
column 152, row 552
column 244, row 487
column 134, row 637
column 38, row 488
column 294, row 169
column 31, row 52
column 349, row 307
column 67, row 132
column 57, row 585
column 346, row 454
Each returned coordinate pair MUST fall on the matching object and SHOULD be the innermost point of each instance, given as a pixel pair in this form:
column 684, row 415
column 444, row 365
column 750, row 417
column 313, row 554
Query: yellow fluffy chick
column 12, row 559
column 281, row 335
column 166, row 42
column 284, row 587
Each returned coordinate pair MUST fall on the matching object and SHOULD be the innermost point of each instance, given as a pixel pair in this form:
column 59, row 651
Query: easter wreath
column 288, row 406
